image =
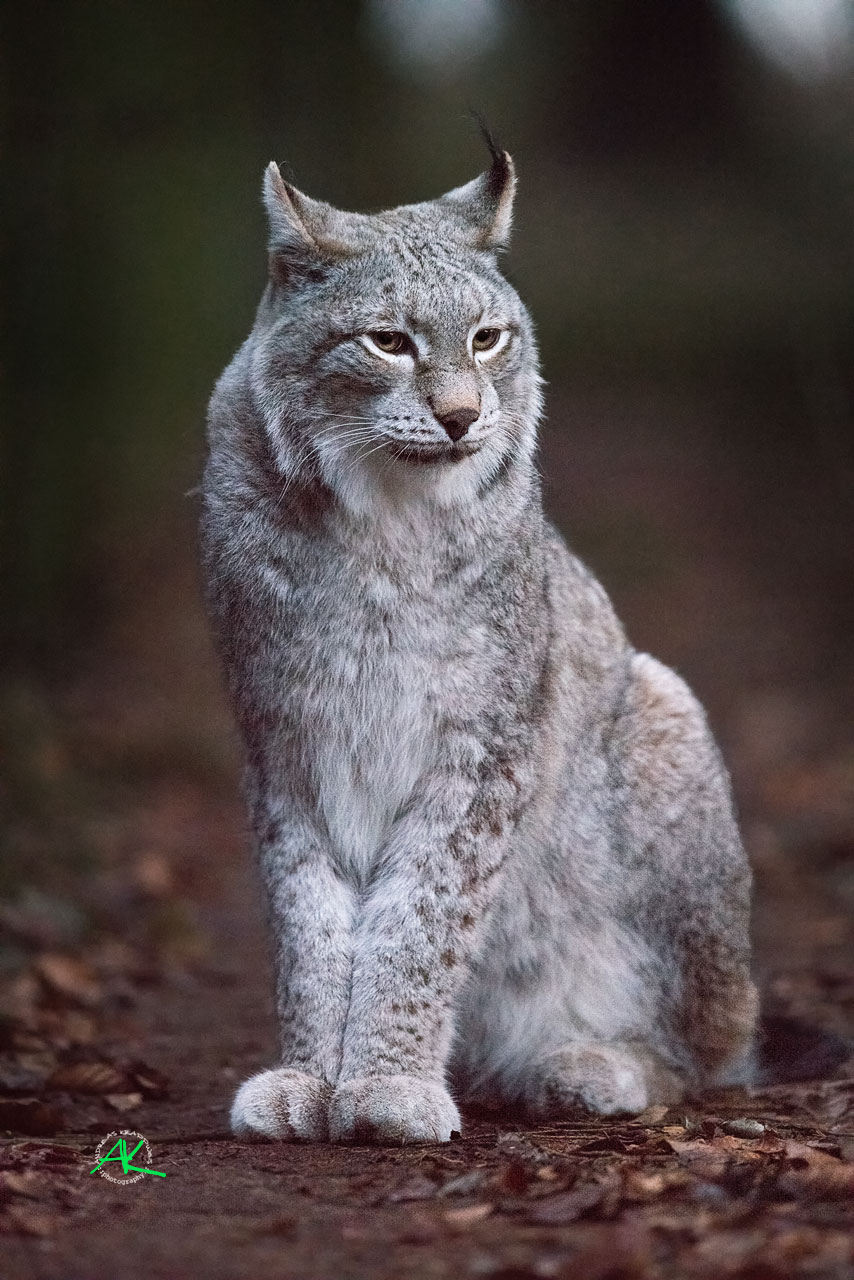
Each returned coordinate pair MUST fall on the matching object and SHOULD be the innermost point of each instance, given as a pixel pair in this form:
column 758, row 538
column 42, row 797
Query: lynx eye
column 391, row 341
column 486, row 339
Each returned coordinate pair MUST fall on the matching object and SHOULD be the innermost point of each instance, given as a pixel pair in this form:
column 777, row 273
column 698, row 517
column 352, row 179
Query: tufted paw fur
column 284, row 1104
column 392, row 1110
column 606, row 1079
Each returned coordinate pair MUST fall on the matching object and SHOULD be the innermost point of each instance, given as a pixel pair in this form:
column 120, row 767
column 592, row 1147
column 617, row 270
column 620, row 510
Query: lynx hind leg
column 693, row 901
column 284, row 1104
column 608, row 1079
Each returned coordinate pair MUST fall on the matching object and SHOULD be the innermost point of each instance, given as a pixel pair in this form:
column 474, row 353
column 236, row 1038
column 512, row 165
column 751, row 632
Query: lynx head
column 389, row 349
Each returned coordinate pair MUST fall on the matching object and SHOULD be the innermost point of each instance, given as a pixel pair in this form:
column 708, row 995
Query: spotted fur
column 498, row 844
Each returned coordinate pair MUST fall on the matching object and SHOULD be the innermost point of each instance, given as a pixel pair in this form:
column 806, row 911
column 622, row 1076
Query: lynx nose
column 458, row 421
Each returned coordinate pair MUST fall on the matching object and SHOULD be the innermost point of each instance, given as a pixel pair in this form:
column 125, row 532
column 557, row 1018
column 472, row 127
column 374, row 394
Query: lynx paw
column 606, row 1079
column 284, row 1104
column 392, row 1110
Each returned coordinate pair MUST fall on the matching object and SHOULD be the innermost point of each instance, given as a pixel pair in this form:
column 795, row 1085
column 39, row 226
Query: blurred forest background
column 685, row 241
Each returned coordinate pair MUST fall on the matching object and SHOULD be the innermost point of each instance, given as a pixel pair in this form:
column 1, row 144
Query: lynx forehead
column 498, row 843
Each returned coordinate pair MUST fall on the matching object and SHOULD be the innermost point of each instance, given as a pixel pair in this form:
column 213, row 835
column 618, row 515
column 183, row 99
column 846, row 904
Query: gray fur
column 498, row 843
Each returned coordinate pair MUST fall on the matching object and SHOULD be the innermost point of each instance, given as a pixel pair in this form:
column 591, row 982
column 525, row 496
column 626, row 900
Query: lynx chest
column 373, row 672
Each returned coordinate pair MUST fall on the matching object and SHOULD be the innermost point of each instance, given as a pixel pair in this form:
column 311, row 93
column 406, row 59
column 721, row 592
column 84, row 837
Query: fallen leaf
column 88, row 1077
column 713, row 1159
column 462, row 1218
column 69, row 978
column 639, row 1185
column 152, row 1083
column 123, row 1101
column 769, row 1144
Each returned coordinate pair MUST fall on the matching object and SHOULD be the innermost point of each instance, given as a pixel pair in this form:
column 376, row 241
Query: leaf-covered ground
column 749, row 1184
column 134, row 981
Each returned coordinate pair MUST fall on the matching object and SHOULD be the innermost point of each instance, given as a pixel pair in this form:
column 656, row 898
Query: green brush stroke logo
column 121, row 1152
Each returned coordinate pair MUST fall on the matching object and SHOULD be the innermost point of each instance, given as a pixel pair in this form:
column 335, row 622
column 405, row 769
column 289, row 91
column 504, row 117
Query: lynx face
column 393, row 339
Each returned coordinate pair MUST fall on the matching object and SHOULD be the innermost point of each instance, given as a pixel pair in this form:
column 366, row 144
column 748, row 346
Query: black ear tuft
column 494, row 147
column 500, row 171
column 488, row 200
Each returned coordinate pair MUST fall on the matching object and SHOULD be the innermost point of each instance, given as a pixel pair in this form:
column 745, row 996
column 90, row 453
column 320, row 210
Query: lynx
column 497, row 842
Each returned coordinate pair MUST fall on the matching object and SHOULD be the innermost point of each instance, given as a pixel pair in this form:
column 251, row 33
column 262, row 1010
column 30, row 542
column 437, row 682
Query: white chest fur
column 367, row 718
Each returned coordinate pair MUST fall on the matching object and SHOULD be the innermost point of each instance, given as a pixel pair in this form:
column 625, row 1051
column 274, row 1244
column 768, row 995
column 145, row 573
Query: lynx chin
column 497, row 842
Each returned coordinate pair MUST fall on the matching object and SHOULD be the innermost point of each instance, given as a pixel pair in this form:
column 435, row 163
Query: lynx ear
column 486, row 203
column 302, row 228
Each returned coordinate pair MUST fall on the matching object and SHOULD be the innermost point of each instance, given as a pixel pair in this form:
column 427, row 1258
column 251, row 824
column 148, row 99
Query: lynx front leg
column 412, row 947
column 311, row 912
column 392, row 1087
